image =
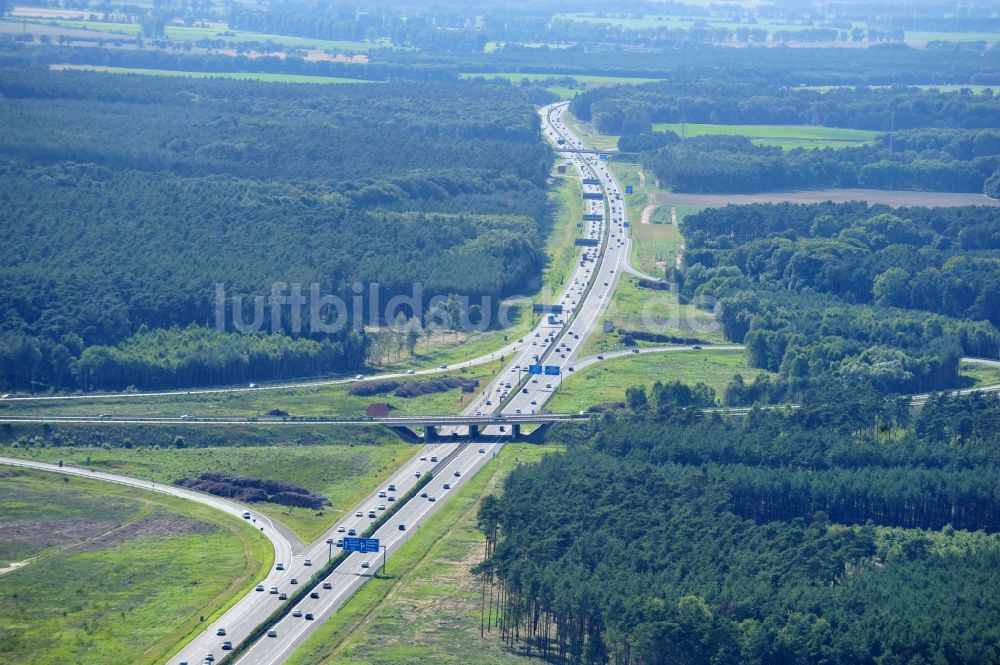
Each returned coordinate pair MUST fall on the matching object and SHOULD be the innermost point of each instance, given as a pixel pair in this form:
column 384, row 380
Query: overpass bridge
column 409, row 428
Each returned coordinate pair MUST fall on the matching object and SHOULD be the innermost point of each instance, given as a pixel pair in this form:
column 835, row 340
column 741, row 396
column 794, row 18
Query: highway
column 584, row 297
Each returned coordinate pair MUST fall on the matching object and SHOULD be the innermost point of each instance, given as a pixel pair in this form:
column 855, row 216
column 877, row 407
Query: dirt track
column 894, row 198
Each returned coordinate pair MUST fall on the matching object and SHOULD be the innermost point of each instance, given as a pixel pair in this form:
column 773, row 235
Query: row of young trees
column 684, row 556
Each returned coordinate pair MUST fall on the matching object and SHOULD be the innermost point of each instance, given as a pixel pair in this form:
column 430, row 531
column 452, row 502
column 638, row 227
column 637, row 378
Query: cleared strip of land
column 894, row 198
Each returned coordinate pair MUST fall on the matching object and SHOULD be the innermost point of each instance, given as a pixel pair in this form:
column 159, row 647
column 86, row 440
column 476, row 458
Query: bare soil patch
column 149, row 527
column 894, row 198
column 39, row 534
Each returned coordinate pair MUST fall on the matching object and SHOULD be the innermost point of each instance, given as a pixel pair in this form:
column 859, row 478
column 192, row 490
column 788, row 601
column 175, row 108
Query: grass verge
column 128, row 594
column 607, row 381
column 426, row 609
column 785, row 136
column 344, row 474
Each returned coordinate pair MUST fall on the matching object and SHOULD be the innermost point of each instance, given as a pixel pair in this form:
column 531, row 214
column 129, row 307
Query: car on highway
column 391, row 498
column 457, row 473
column 416, row 474
column 227, row 645
column 272, row 633
column 246, row 514
column 297, row 614
column 411, row 371
column 402, row 527
column 442, row 366
column 293, row 581
column 307, row 562
column 259, row 587
column 434, row 458
column 327, row 585
column 372, row 514
column 358, row 377
column 358, row 513
column 381, row 506
column 365, row 564
column 274, row 590
column 432, row 498
column 381, row 494
column 341, row 529
column 423, row 495
column 392, row 487
column 314, row 594
column 220, row 632
column 482, row 450
column 282, row 596
column 309, row 616
column 352, row 532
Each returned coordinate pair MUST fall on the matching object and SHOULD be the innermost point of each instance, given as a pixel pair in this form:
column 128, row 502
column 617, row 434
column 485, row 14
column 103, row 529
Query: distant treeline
column 616, row 110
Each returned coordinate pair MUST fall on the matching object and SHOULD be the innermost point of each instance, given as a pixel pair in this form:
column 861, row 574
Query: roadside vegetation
column 606, row 382
column 783, row 136
column 119, row 575
column 427, row 606
column 326, row 401
column 344, row 474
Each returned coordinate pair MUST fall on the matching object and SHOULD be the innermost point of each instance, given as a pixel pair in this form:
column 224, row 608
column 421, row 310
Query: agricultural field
column 118, row 575
column 242, row 76
column 342, row 473
column 784, row 136
column 607, row 381
column 427, row 608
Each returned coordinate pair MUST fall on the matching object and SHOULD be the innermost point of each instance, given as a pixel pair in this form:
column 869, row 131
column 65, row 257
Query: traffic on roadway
column 555, row 341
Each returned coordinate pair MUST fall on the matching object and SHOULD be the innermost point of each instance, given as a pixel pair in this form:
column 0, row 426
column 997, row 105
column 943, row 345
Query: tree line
column 695, row 559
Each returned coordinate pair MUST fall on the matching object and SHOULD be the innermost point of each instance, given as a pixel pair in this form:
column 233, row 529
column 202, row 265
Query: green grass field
column 634, row 308
column 242, row 76
column 607, row 381
column 973, row 375
column 427, row 609
column 785, row 136
column 560, row 248
column 589, row 134
column 130, row 576
column 344, row 474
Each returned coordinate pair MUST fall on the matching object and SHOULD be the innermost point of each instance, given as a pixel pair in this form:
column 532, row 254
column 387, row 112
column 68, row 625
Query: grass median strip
column 320, row 575
column 427, row 610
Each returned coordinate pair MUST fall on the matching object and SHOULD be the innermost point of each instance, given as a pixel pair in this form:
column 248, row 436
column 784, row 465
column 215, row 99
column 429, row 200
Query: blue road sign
column 534, row 369
column 552, row 370
column 603, row 156
column 628, row 189
column 361, row 545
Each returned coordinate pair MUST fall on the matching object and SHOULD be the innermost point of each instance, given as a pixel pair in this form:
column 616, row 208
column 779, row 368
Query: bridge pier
column 430, row 433
column 515, row 432
column 473, row 431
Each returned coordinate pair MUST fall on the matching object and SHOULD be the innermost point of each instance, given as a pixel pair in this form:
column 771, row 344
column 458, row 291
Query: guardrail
column 314, row 581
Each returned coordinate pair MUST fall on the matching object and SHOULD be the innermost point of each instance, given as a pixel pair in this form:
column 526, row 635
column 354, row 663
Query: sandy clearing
column 894, row 198
column 647, row 214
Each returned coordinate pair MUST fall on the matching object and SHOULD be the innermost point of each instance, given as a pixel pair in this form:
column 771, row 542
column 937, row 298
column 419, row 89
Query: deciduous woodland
column 116, row 236
column 845, row 532
column 860, row 294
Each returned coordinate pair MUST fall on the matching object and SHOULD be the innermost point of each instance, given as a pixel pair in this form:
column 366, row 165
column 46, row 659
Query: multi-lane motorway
column 584, row 297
